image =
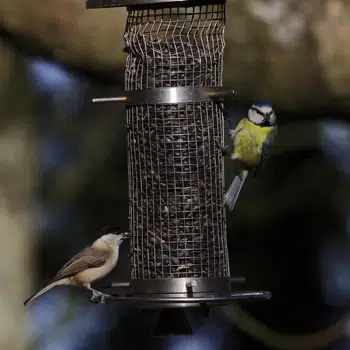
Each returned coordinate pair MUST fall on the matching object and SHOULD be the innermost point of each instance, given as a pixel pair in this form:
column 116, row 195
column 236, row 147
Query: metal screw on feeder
column 174, row 67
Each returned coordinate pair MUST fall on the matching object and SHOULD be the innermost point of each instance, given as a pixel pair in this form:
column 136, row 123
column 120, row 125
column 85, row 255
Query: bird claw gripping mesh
column 175, row 167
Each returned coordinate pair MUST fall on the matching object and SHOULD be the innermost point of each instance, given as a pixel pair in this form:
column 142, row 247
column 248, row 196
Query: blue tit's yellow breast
column 248, row 142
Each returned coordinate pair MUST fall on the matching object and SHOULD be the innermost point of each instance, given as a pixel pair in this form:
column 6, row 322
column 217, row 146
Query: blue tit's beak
column 126, row 235
column 266, row 120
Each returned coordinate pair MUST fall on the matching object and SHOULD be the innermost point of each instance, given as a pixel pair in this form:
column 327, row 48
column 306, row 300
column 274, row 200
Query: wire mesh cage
column 175, row 46
column 175, row 169
column 176, row 192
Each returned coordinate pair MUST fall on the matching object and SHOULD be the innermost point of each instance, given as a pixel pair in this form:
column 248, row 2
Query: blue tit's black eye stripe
column 258, row 111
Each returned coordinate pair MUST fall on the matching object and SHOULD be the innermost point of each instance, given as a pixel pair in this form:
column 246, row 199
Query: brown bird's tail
column 45, row 289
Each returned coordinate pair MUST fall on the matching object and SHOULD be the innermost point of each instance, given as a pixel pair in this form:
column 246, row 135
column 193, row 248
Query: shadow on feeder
column 172, row 322
column 175, row 321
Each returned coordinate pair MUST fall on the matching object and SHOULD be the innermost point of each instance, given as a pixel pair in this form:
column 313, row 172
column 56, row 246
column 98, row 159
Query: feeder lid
column 90, row 4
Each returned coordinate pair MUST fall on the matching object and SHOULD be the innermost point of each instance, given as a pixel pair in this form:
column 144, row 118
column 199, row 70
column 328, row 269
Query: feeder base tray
column 150, row 302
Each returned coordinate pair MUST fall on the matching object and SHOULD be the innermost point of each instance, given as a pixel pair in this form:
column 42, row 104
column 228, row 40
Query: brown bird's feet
column 99, row 298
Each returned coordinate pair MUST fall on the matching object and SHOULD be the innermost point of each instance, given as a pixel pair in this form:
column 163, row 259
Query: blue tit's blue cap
column 262, row 103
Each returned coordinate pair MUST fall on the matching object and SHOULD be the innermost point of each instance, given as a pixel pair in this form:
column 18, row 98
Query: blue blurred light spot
column 194, row 342
column 49, row 76
column 55, row 323
column 58, row 221
column 54, row 153
column 335, row 266
column 66, row 91
column 45, row 311
column 77, row 332
column 335, row 141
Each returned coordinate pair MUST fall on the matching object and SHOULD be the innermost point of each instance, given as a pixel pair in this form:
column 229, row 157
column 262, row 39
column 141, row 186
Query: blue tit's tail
column 232, row 193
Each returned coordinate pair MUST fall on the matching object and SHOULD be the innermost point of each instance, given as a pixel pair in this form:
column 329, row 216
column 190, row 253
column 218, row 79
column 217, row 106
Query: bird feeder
column 174, row 69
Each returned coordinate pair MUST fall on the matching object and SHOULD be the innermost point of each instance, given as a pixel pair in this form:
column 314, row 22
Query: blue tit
column 251, row 140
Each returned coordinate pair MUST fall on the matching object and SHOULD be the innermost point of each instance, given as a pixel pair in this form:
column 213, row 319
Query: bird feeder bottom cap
column 172, row 302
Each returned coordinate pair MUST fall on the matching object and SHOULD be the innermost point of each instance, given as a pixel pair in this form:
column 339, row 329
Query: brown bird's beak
column 126, row 235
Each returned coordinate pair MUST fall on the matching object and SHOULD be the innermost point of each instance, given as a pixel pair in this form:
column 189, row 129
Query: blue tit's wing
column 234, row 133
column 266, row 146
column 234, row 190
column 265, row 149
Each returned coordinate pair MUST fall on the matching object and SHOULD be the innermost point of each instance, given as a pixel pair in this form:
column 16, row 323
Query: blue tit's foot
column 224, row 150
column 256, row 171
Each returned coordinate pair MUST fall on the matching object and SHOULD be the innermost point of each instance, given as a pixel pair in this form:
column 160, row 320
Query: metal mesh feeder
column 174, row 65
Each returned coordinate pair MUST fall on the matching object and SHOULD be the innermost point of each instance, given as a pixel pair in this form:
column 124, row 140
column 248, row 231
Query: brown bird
column 90, row 265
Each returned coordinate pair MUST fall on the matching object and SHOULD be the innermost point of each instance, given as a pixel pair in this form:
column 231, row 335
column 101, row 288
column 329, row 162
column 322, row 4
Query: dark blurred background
column 63, row 175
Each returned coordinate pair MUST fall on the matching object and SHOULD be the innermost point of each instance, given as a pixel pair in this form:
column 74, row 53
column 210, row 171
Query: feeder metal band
column 169, row 95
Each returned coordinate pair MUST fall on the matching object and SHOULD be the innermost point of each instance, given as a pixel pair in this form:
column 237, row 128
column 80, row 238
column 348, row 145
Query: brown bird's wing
column 87, row 258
